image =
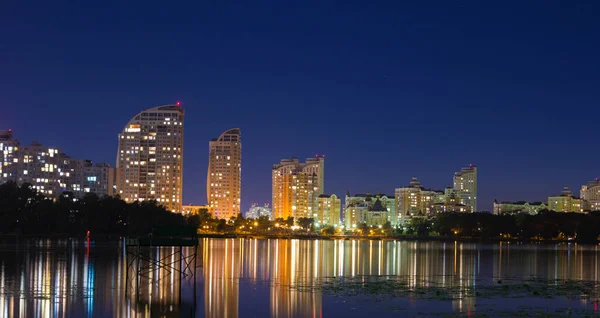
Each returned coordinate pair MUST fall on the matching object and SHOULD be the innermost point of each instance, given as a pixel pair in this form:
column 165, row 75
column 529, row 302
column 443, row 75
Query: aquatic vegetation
column 381, row 288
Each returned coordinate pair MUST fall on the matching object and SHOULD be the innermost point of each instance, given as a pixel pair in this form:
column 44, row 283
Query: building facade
column 257, row 211
column 449, row 201
column 372, row 210
column 194, row 209
column 224, row 177
column 328, row 210
column 519, row 207
column 296, row 187
column 465, row 183
column 51, row 172
column 150, row 157
column 565, row 202
column 41, row 167
column 87, row 177
column 414, row 200
column 590, row 194
column 8, row 149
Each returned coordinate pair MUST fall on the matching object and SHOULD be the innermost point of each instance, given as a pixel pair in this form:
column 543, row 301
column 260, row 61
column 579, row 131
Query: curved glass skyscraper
column 150, row 157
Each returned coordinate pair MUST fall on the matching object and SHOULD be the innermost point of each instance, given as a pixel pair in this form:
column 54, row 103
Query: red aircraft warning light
column 178, row 103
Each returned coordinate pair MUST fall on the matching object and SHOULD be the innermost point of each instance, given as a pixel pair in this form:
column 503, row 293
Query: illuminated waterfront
column 262, row 278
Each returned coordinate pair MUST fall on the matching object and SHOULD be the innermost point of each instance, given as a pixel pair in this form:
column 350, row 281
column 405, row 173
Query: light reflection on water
column 257, row 278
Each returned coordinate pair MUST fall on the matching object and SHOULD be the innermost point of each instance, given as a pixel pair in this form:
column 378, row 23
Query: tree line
column 25, row 211
column 546, row 225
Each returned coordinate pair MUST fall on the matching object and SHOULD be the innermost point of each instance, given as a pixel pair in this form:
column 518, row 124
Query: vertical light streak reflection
column 380, row 259
column 3, row 299
column 68, row 282
column 353, row 273
column 316, row 261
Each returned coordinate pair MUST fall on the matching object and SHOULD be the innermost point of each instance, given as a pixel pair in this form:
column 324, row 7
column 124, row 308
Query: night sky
column 386, row 90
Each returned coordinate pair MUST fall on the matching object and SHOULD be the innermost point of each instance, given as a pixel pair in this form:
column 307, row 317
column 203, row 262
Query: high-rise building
column 465, row 183
column 414, row 200
column 328, row 210
column 224, row 177
column 51, row 172
column 296, row 187
column 565, row 202
column 590, row 194
column 150, row 157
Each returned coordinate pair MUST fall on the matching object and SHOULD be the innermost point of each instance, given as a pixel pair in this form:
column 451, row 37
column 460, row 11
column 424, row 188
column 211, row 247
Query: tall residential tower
column 150, row 157
column 297, row 186
column 465, row 184
column 224, row 178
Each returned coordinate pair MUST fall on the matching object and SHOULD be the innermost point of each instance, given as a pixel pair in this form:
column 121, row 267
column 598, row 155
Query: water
column 297, row 278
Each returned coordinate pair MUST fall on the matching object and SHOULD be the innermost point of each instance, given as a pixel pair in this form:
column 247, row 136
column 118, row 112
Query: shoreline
column 114, row 238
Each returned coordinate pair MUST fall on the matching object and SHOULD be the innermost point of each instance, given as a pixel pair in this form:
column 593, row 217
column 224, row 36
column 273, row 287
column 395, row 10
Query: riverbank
column 12, row 238
column 384, row 238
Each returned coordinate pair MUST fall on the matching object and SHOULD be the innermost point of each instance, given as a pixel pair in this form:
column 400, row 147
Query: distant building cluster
column 257, row 211
column 416, row 201
column 50, row 171
column 589, row 200
column 298, row 191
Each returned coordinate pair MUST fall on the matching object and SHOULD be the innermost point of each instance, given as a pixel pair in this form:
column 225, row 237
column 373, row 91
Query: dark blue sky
column 386, row 90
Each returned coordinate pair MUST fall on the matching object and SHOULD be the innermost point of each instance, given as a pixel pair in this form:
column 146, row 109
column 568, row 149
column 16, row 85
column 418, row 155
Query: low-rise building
column 195, row 209
column 519, row 207
column 565, row 202
column 372, row 210
column 257, row 211
column 376, row 215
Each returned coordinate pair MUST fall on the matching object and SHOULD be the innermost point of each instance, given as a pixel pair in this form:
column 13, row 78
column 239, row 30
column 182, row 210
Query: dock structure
column 166, row 250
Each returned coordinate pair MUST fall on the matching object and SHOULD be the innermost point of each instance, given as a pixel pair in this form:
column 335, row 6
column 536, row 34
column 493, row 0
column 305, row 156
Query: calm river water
column 298, row 278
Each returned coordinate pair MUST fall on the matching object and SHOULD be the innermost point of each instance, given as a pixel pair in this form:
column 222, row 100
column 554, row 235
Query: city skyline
column 413, row 89
column 85, row 166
